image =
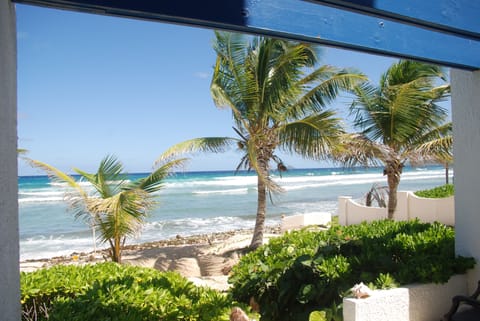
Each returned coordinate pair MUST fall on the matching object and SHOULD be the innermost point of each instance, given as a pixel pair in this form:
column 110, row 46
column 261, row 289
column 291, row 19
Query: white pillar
column 343, row 209
column 9, row 249
column 466, row 134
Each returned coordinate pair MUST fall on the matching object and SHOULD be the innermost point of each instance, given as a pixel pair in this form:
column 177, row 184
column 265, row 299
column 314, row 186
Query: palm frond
column 121, row 214
column 439, row 150
column 154, row 182
column 22, row 151
column 438, row 133
column 406, row 71
column 272, row 187
column 244, row 164
column 230, row 78
column 436, row 145
column 323, row 87
column 356, row 149
column 278, row 76
column 109, row 177
column 196, row 145
column 313, row 136
column 58, row 176
column 75, row 196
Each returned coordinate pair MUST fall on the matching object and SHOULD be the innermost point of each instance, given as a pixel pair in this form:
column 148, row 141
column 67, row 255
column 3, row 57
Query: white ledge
column 417, row 302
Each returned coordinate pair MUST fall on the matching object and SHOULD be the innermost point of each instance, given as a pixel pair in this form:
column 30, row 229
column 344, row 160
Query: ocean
column 200, row 203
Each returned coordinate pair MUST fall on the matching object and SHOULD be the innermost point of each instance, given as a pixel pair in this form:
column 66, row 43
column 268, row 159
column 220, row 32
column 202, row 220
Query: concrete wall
column 431, row 210
column 9, row 249
column 466, row 149
column 350, row 212
column 409, row 207
column 418, row 302
column 298, row 221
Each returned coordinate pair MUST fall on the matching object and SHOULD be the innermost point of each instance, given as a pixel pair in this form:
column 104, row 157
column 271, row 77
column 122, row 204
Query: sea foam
column 200, row 203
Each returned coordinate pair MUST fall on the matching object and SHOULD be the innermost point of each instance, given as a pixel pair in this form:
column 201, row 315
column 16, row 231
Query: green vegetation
column 109, row 291
column 305, row 271
column 278, row 98
column 117, row 208
column 301, row 275
column 437, row 192
column 399, row 120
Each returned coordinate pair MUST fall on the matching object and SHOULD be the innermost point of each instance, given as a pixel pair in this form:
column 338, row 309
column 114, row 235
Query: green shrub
column 437, row 192
column 306, row 271
column 111, row 292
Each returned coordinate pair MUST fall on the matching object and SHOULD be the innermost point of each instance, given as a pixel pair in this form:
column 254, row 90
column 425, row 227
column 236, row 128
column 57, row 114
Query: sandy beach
column 206, row 259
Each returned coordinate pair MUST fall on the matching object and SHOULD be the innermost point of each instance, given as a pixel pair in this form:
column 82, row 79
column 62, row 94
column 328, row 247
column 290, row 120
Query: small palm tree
column 395, row 118
column 278, row 101
column 113, row 205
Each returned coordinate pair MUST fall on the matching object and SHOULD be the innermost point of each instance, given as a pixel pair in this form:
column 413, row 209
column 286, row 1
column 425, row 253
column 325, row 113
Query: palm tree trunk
column 392, row 196
column 446, row 173
column 257, row 239
column 116, row 250
column 393, row 170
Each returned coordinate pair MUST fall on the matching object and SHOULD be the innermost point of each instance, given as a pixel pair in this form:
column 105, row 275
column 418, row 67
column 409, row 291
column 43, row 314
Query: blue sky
column 91, row 85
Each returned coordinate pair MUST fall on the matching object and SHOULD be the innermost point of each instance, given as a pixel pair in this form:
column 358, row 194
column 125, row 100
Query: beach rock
column 187, row 266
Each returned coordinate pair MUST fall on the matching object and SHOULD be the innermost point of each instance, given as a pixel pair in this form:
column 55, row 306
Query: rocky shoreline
column 205, row 259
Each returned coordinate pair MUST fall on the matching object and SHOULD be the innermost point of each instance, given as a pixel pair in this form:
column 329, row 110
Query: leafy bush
column 305, row 271
column 111, row 292
column 437, row 192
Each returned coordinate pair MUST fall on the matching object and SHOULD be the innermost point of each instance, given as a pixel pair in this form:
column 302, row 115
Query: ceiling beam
column 357, row 25
column 460, row 17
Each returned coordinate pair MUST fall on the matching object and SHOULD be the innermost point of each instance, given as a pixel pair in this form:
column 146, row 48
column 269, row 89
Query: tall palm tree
column 111, row 203
column 278, row 100
column 394, row 119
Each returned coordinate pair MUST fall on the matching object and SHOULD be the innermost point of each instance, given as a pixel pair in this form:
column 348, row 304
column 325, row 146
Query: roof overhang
column 445, row 32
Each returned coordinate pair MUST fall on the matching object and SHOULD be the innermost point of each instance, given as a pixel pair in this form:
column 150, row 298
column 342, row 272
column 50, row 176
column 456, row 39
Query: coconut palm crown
column 399, row 121
column 110, row 203
column 278, row 100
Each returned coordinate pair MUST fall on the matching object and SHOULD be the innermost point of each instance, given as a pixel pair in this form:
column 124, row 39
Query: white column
column 466, row 134
column 9, row 249
column 343, row 209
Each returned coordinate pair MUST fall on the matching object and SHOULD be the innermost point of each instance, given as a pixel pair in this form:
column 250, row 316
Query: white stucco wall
column 9, row 248
column 409, row 207
column 301, row 220
column 402, row 212
column 417, row 302
column 432, row 209
column 350, row 212
column 466, row 150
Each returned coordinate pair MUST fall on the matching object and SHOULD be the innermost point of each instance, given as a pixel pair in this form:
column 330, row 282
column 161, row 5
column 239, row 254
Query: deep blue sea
column 199, row 203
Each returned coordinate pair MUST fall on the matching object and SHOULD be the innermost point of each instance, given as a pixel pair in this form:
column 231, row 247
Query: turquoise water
column 199, row 202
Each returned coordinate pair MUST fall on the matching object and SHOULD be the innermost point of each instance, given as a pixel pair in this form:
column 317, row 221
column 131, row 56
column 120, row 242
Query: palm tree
column 276, row 103
column 111, row 203
column 395, row 118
